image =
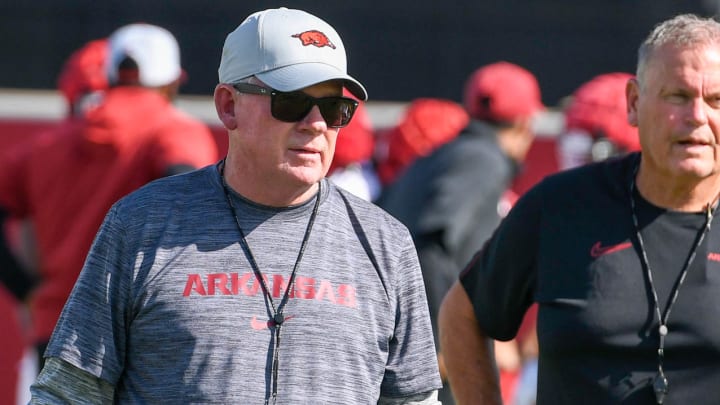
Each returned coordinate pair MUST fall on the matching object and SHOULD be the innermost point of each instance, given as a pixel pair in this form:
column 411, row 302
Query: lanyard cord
column 660, row 383
column 277, row 313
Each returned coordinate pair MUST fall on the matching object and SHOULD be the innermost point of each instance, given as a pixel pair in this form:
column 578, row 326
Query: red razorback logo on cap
column 314, row 37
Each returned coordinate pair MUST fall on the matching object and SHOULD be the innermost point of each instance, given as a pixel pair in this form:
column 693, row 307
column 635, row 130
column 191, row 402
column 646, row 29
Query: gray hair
column 684, row 30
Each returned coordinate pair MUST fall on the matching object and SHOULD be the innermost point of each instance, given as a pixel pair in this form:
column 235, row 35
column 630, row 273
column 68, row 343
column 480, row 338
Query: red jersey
column 68, row 178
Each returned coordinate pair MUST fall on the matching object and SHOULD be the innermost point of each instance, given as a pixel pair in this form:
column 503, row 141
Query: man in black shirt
column 621, row 256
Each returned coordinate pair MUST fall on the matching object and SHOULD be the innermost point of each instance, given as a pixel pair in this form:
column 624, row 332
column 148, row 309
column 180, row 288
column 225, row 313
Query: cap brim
column 301, row 75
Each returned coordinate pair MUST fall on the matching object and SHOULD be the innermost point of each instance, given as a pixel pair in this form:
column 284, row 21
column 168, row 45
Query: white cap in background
column 154, row 50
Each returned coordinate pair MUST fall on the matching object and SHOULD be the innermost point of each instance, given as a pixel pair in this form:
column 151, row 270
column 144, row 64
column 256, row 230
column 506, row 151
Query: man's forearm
column 467, row 352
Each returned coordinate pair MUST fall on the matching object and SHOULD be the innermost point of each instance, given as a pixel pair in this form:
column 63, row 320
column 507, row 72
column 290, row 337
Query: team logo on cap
column 315, row 38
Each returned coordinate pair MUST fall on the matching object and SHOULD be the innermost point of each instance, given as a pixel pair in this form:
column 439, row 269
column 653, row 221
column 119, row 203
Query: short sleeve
column 500, row 279
column 92, row 329
column 412, row 361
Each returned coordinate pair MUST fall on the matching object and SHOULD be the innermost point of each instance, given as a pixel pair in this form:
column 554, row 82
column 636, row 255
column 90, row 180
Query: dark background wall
column 400, row 49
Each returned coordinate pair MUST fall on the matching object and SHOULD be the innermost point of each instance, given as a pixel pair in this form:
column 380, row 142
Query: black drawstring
column 277, row 313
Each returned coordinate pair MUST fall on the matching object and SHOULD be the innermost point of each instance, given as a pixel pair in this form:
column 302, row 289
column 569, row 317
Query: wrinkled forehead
column 691, row 66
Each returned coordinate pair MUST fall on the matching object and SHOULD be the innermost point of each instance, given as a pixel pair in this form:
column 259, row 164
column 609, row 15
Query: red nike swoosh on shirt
column 257, row 324
column 598, row 249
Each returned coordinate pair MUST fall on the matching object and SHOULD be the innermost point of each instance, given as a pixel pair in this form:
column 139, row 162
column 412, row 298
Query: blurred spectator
column 352, row 167
column 125, row 137
column 426, row 124
column 596, row 122
column 82, row 79
column 452, row 200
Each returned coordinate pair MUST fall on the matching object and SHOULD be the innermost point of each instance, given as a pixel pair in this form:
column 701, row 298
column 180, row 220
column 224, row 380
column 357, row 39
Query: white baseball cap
column 288, row 50
column 154, row 49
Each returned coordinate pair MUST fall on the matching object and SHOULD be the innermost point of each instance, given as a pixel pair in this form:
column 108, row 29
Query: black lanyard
column 277, row 318
column 660, row 382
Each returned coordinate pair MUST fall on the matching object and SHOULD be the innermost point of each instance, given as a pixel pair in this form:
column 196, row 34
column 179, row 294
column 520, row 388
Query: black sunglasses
column 294, row 106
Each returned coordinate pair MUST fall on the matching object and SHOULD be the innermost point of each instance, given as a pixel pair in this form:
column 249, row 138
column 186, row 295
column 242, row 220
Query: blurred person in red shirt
column 81, row 81
column 113, row 142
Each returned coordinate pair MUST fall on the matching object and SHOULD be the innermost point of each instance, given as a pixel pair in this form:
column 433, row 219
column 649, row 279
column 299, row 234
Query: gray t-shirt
column 167, row 308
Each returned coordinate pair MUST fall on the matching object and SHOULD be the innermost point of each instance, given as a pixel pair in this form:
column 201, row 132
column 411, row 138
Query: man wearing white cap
column 255, row 280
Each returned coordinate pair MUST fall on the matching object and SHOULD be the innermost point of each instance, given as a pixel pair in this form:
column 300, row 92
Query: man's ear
column 225, row 105
column 632, row 93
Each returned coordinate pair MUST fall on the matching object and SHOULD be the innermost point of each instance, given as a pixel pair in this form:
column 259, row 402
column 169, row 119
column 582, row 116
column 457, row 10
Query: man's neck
column 678, row 193
column 267, row 192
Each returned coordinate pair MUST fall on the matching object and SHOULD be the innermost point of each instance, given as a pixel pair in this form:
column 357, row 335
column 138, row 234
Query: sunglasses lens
column 337, row 111
column 292, row 107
